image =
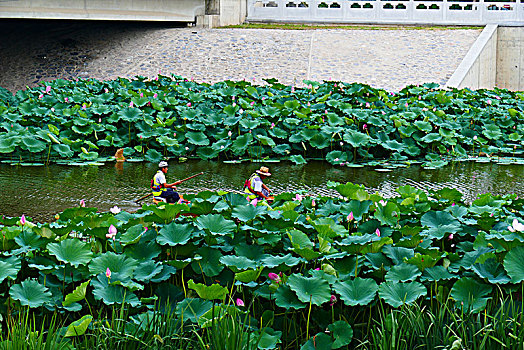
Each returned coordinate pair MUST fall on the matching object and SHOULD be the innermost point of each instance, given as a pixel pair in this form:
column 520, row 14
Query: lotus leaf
column 439, row 224
column 30, row 293
column 286, row 299
column 216, row 224
column 192, row 309
column 78, row 327
column 214, row 291
column 513, row 264
column 403, row 273
column 238, row 262
column 318, row 341
column 470, row 295
column 111, row 293
column 210, row 264
column 436, row 273
column 492, row 271
column 274, row 261
column 359, row 291
column 247, row 212
column 9, row 268
column 398, row 293
column 32, row 144
column 342, row 332
column 79, row 293
column 269, row 338
column 314, row 289
column 176, row 234
column 121, row 266
column 71, row 251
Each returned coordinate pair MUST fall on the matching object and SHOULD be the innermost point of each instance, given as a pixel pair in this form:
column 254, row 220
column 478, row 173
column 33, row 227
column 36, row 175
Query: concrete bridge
column 205, row 12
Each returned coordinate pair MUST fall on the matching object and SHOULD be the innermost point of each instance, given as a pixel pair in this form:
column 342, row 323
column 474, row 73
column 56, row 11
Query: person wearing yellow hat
column 255, row 188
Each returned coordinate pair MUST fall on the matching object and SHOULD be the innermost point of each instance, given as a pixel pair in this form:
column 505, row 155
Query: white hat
column 163, row 164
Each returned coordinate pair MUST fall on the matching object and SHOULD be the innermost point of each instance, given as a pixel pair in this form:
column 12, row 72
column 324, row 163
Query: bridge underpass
column 220, row 12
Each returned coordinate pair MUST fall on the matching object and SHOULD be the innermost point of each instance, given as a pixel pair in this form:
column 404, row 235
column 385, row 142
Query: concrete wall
column 510, row 58
column 495, row 60
column 478, row 69
column 140, row 10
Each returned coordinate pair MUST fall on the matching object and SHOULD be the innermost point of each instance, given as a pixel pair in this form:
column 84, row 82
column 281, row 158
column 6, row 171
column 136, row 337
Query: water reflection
column 40, row 192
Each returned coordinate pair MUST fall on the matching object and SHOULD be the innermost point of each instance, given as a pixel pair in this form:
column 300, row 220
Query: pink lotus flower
column 274, row 277
column 141, row 94
column 66, row 99
column 240, row 302
column 115, row 210
column 367, row 105
column 22, row 220
column 131, row 104
column 317, row 269
column 155, row 95
column 383, row 202
column 99, row 120
column 189, row 104
column 298, row 197
column 108, row 273
column 406, row 105
column 254, row 202
column 377, row 232
column 488, row 102
column 240, row 111
column 84, row 106
column 106, row 90
column 450, row 237
column 452, row 204
column 350, row 217
column 47, row 89
column 111, row 232
column 82, row 203
column 292, row 89
column 272, row 125
column 252, row 103
column 41, row 96
column 146, row 228
column 332, row 300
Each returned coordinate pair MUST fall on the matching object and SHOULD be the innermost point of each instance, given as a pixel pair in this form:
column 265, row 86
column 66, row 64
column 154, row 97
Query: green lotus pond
column 55, row 188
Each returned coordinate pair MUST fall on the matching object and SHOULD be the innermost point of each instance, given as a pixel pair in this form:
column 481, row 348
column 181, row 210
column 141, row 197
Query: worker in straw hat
column 255, row 188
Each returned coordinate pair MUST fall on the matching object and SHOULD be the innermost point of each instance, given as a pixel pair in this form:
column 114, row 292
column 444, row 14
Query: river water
column 41, row 192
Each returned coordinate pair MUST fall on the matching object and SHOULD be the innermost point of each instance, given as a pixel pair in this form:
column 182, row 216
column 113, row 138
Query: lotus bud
column 239, row 302
column 313, row 203
column 350, row 217
column 131, row 104
column 241, row 111
column 450, row 237
column 99, row 120
column 274, row 277
column 22, row 220
column 272, row 125
column 332, row 300
column 82, row 203
column 364, row 127
column 189, row 104
column 377, row 232
column 155, row 95
column 47, row 89
column 141, row 94
column 298, row 197
column 488, row 102
column 66, row 99
column 108, row 273
column 106, row 90
column 252, row 103
column 383, row 202
column 115, row 210
column 40, row 96
column 367, row 105
column 254, row 202
column 229, row 133
column 452, row 204
column 52, row 109
column 475, row 138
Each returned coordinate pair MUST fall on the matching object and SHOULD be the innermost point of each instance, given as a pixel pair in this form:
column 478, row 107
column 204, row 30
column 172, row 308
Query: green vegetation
column 345, row 124
column 421, row 270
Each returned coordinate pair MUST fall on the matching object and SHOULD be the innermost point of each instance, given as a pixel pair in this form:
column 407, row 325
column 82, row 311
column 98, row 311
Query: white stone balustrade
column 447, row 12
